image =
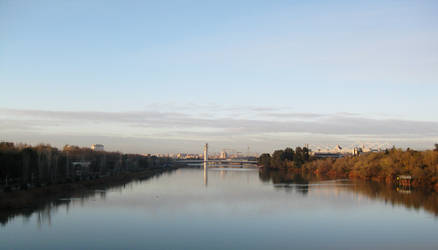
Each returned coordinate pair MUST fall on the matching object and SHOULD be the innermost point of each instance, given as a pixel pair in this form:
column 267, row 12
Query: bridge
column 223, row 161
column 218, row 162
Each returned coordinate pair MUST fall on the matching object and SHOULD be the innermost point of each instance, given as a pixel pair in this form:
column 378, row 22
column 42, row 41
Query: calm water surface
column 230, row 209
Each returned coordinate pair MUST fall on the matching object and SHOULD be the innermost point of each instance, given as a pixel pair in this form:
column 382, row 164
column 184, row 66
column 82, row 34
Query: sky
column 168, row 76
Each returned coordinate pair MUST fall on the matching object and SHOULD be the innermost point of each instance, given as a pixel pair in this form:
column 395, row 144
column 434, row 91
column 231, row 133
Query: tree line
column 287, row 158
column 25, row 165
column 383, row 166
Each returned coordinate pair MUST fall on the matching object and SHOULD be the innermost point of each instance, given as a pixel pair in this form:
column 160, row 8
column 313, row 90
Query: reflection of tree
column 288, row 180
column 45, row 210
column 416, row 199
column 264, row 175
column 303, row 189
column 282, row 176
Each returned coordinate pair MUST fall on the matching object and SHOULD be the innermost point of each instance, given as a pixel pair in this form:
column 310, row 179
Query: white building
column 357, row 151
column 224, row 155
column 97, row 147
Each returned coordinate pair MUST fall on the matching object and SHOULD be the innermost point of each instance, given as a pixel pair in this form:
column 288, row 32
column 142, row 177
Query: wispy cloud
column 255, row 124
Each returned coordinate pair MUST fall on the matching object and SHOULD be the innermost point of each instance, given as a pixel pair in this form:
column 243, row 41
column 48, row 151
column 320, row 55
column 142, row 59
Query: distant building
column 224, row 155
column 97, row 147
column 357, row 151
column 187, row 156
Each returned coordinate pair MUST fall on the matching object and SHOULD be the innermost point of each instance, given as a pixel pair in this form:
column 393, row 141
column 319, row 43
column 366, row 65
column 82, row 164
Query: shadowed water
column 231, row 209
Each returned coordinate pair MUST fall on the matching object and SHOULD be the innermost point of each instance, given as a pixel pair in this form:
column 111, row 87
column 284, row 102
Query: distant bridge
column 219, row 162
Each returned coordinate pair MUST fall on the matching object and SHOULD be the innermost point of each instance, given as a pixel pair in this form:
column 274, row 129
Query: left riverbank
column 37, row 197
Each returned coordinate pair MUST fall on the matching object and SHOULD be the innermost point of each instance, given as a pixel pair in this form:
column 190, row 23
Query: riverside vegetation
column 32, row 175
column 383, row 166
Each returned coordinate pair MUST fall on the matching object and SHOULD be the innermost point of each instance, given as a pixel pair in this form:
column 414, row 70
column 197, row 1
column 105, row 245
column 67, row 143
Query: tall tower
column 206, row 152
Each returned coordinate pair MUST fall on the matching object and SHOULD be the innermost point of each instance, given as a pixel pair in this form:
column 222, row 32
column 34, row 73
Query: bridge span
column 218, row 162
column 214, row 161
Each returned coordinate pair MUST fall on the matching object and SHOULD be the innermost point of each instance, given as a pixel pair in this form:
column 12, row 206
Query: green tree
column 289, row 154
column 265, row 160
column 299, row 157
column 278, row 160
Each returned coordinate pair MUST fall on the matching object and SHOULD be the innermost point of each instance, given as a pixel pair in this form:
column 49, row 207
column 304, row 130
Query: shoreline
column 327, row 177
column 410, row 198
column 407, row 168
column 37, row 197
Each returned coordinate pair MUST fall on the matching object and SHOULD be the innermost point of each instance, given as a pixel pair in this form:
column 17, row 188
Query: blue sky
column 235, row 73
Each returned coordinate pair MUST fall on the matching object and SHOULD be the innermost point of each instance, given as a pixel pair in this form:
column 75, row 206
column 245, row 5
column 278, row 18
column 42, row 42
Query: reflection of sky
column 236, row 210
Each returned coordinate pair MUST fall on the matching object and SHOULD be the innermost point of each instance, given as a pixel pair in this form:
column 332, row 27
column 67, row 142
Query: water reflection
column 281, row 180
column 205, row 174
column 45, row 211
column 240, row 209
column 396, row 196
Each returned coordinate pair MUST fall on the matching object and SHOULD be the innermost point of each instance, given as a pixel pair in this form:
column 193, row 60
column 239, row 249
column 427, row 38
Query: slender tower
column 206, row 152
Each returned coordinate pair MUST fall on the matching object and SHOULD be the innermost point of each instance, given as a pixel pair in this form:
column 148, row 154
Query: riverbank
column 37, row 197
column 417, row 169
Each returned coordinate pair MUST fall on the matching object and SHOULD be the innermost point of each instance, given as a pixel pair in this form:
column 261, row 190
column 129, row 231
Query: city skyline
column 166, row 77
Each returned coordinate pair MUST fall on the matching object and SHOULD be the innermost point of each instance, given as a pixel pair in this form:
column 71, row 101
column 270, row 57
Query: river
column 228, row 208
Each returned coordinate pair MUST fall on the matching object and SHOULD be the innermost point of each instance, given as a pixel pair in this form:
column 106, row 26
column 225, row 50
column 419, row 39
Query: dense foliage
column 287, row 158
column 382, row 166
column 43, row 164
column 385, row 166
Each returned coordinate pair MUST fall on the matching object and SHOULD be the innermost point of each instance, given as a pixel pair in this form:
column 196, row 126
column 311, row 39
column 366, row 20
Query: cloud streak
column 251, row 124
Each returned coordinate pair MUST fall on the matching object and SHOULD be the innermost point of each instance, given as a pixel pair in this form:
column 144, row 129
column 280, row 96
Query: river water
column 231, row 209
